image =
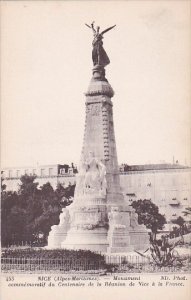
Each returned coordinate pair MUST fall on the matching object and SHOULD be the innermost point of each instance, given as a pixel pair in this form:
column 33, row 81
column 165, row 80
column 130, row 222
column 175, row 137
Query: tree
column 3, row 186
column 50, row 211
column 148, row 214
column 30, row 212
column 65, row 194
column 180, row 221
column 42, row 207
column 12, row 220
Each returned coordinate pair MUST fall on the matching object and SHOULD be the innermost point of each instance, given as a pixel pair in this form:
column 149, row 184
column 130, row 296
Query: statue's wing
column 104, row 31
column 88, row 25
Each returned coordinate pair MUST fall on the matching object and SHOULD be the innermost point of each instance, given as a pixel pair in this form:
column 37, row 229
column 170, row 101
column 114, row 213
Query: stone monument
column 99, row 219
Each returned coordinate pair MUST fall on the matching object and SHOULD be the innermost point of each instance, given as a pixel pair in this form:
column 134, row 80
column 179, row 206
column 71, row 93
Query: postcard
column 95, row 150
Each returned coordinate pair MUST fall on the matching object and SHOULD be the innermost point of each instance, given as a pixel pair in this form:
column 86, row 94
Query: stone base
column 85, row 228
column 93, row 240
column 139, row 240
column 56, row 237
column 59, row 232
column 125, row 234
column 119, row 239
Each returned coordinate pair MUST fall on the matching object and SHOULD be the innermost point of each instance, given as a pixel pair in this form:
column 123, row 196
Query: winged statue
column 99, row 55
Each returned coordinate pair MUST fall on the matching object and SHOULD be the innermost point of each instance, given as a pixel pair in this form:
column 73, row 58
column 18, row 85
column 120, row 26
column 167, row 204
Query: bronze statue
column 99, row 56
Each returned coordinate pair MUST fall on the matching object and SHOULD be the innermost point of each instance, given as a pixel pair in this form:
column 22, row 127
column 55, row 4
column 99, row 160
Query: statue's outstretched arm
column 88, row 26
column 104, row 31
column 91, row 27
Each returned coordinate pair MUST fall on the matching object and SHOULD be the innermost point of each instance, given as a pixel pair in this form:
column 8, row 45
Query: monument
column 99, row 219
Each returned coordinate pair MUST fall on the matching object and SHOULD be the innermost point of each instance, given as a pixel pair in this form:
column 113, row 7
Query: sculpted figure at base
column 95, row 178
column 91, row 178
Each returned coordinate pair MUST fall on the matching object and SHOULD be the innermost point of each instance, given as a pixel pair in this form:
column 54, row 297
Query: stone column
column 89, row 211
column 100, row 220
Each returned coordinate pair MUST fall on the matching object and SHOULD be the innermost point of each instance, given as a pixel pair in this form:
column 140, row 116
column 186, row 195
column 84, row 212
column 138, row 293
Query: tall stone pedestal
column 99, row 218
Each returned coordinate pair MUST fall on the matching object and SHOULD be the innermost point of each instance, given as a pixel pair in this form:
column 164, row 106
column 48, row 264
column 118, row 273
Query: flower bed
column 44, row 259
column 40, row 253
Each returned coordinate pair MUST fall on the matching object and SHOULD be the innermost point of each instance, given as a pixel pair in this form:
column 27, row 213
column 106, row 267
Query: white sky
column 46, row 68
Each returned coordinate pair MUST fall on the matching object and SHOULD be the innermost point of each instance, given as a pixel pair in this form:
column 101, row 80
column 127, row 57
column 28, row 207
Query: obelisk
column 100, row 220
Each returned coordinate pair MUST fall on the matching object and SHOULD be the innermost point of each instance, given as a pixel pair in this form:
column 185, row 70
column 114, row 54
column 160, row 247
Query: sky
column 46, row 67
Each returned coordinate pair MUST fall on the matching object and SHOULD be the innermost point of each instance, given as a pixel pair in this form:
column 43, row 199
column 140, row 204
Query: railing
column 110, row 264
column 38, row 265
column 134, row 260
